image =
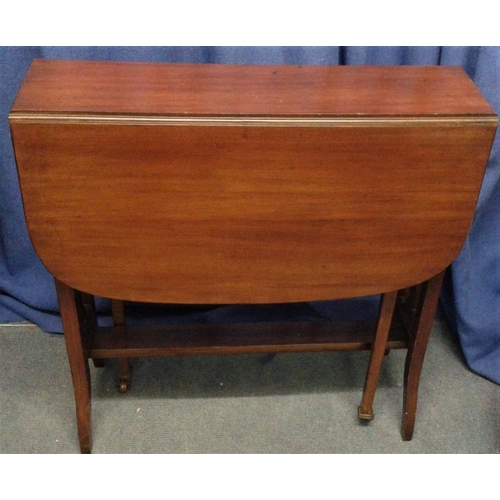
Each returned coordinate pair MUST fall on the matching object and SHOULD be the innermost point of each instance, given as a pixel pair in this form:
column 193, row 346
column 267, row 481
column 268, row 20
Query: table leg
column 388, row 302
column 76, row 345
column 124, row 368
column 416, row 352
column 90, row 320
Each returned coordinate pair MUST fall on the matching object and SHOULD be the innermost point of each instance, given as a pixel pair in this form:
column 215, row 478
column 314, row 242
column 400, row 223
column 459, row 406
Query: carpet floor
column 288, row 403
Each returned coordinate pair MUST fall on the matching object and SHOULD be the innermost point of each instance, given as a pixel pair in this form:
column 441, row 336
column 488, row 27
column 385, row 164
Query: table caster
column 123, row 385
column 124, row 376
column 364, row 415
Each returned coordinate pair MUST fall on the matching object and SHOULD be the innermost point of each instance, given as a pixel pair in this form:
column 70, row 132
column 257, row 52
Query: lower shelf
column 165, row 340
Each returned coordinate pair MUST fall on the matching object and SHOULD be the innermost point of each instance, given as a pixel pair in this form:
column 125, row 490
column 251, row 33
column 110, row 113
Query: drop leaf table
column 234, row 184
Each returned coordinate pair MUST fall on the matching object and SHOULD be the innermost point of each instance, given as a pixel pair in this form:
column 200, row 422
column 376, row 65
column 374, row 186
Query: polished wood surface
column 378, row 350
column 243, row 338
column 245, row 211
column 419, row 337
column 248, row 214
column 77, row 345
column 248, row 184
column 84, row 87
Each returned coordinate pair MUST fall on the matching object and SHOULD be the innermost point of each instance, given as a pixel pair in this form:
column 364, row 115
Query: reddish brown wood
column 378, row 349
column 240, row 212
column 118, row 312
column 247, row 184
column 245, row 338
column 416, row 351
column 200, row 214
column 245, row 90
column 408, row 305
column 124, row 368
column 89, row 319
column 77, row 355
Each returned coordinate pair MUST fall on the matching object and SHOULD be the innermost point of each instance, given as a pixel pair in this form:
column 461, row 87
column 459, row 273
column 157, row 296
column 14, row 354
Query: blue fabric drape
column 470, row 298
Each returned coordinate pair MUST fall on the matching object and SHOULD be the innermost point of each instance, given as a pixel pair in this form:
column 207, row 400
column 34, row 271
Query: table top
column 220, row 184
column 199, row 90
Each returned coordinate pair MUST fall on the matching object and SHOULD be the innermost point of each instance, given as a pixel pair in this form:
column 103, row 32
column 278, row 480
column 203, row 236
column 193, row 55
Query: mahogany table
column 217, row 184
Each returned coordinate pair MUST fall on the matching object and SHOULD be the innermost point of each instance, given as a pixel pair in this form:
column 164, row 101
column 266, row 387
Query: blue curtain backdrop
column 470, row 298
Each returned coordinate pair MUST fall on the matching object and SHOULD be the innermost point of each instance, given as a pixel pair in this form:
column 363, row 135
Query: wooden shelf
column 141, row 341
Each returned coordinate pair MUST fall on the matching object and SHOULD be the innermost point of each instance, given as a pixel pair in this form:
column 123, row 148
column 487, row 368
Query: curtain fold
column 470, row 298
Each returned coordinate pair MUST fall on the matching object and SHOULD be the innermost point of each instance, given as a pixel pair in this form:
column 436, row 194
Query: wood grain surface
column 248, row 214
column 85, row 87
column 178, row 183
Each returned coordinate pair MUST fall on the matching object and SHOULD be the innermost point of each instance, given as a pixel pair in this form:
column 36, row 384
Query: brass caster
column 365, row 415
column 124, row 375
column 123, row 385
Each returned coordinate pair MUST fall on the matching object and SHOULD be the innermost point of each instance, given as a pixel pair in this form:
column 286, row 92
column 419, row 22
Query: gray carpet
column 290, row 403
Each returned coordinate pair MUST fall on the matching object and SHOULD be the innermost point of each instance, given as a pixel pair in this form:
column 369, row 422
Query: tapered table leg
column 124, row 368
column 416, row 353
column 90, row 320
column 74, row 335
column 388, row 301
